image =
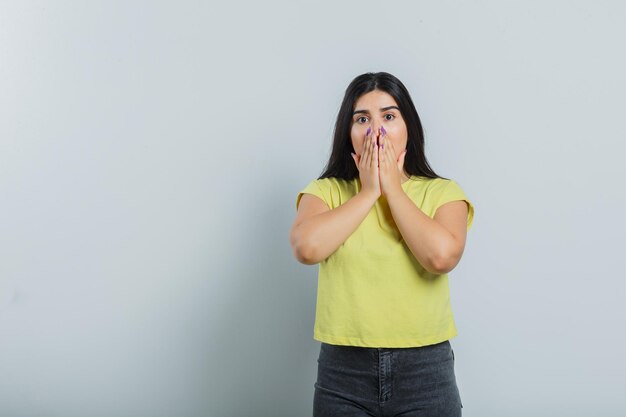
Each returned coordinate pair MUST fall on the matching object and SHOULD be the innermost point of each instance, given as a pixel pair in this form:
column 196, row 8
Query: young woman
column 386, row 230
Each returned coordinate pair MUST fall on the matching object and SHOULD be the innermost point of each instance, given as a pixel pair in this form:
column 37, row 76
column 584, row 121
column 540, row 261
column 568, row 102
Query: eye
column 389, row 114
column 362, row 117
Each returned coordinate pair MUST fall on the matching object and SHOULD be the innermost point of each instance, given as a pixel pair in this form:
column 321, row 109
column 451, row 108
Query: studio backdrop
column 151, row 153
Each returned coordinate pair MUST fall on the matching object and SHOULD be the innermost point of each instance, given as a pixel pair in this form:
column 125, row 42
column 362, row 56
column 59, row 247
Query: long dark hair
column 341, row 165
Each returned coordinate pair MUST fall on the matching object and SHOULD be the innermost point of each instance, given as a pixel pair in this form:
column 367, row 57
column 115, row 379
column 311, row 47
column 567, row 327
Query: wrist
column 394, row 194
column 370, row 195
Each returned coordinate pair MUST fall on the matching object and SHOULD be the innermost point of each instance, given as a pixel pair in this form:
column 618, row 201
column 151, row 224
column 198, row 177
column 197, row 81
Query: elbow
column 303, row 251
column 304, row 255
column 445, row 261
column 439, row 266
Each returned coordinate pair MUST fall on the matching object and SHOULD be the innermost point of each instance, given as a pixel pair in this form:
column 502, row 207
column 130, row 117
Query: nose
column 376, row 125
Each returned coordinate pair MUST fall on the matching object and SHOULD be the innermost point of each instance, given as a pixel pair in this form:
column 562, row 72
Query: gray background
column 151, row 153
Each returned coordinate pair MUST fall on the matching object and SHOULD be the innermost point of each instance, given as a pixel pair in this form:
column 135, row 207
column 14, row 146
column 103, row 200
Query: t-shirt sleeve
column 452, row 192
column 313, row 188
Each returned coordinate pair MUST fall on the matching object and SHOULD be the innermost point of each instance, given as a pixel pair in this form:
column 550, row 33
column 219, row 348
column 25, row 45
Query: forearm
column 315, row 239
column 429, row 241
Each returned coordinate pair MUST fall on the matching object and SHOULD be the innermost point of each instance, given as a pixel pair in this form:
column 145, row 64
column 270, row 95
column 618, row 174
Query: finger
column 389, row 145
column 402, row 155
column 369, row 129
column 365, row 149
column 362, row 148
column 378, row 154
column 374, row 153
column 368, row 152
column 389, row 150
column 401, row 160
column 382, row 152
column 384, row 140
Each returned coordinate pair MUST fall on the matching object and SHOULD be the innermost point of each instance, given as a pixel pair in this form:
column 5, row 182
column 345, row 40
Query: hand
column 367, row 164
column 391, row 170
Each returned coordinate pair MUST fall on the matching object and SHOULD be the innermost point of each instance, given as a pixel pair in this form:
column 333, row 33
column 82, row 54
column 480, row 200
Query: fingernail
column 382, row 129
column 369, row 129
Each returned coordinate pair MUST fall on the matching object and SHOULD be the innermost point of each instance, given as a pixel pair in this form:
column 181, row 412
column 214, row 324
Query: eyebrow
column 382, row 110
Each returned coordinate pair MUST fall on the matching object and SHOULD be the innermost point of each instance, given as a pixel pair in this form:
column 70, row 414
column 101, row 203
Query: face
column 376, row 109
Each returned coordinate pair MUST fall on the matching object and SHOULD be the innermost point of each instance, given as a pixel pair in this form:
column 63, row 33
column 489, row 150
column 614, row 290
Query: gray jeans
column 386, row 382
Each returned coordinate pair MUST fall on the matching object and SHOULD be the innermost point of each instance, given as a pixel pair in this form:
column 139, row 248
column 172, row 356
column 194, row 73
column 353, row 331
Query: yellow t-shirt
column 371, row 291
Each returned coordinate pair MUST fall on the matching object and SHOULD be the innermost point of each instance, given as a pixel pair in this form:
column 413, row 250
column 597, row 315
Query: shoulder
column 331, row 182
column 332, row 185
column 428, row 185
column 438, row 183
column 328, row 189
column 430, row 193
column 444, row 191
